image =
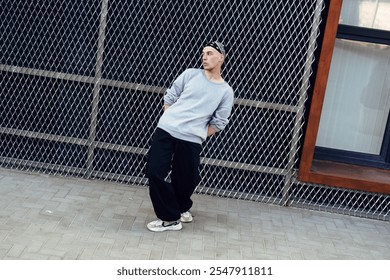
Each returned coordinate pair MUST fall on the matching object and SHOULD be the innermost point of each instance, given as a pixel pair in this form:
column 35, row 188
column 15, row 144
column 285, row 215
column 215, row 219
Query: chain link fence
column 82, row 84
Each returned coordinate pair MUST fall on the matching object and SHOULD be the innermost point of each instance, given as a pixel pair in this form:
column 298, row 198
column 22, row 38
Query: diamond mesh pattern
column 82, row 84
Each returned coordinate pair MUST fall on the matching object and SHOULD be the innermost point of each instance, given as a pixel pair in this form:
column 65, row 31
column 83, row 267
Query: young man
column 197, row 105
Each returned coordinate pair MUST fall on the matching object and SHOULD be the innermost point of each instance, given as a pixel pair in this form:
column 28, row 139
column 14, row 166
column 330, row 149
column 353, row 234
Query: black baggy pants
column 182, row 159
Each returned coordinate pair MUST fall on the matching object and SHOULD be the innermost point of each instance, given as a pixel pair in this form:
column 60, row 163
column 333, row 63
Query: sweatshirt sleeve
column 221, row 116
column 173, row 93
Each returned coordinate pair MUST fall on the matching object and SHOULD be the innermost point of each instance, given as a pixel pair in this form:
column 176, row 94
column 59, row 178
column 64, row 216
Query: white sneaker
column 186, row 217
column 159, row 225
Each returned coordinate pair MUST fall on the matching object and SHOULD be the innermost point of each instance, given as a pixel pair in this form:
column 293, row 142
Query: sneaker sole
column 186, row 220
column 161, row 229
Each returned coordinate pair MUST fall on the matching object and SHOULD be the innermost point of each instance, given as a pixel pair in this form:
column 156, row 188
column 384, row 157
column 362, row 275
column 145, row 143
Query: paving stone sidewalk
column 47, row 217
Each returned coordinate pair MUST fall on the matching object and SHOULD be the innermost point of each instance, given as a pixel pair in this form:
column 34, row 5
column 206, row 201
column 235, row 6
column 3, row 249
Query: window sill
column 348, row 176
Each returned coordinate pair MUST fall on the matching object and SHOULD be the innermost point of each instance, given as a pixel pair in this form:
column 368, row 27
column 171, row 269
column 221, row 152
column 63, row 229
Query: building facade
column 82, row 85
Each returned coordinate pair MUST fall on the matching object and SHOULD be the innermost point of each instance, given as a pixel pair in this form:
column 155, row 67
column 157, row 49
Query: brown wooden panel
column 350, row 176
column 321, row 80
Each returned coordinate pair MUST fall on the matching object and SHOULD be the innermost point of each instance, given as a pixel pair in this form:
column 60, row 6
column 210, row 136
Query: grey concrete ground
column 46, row 217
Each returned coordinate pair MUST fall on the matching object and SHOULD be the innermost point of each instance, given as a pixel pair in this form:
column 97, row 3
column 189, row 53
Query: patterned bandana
column 218, row 46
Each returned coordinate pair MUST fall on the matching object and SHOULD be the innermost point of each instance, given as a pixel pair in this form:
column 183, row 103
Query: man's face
column 211, row 58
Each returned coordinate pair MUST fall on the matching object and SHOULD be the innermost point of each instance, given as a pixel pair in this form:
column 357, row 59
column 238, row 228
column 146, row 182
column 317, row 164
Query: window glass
column 366, row 13
column 356, row 104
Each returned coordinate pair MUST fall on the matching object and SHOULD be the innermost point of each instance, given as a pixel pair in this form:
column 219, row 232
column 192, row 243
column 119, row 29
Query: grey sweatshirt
column 196, row 103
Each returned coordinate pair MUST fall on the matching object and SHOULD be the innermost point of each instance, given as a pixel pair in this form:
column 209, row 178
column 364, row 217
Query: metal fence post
column 302, row 99
column 96, row 87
